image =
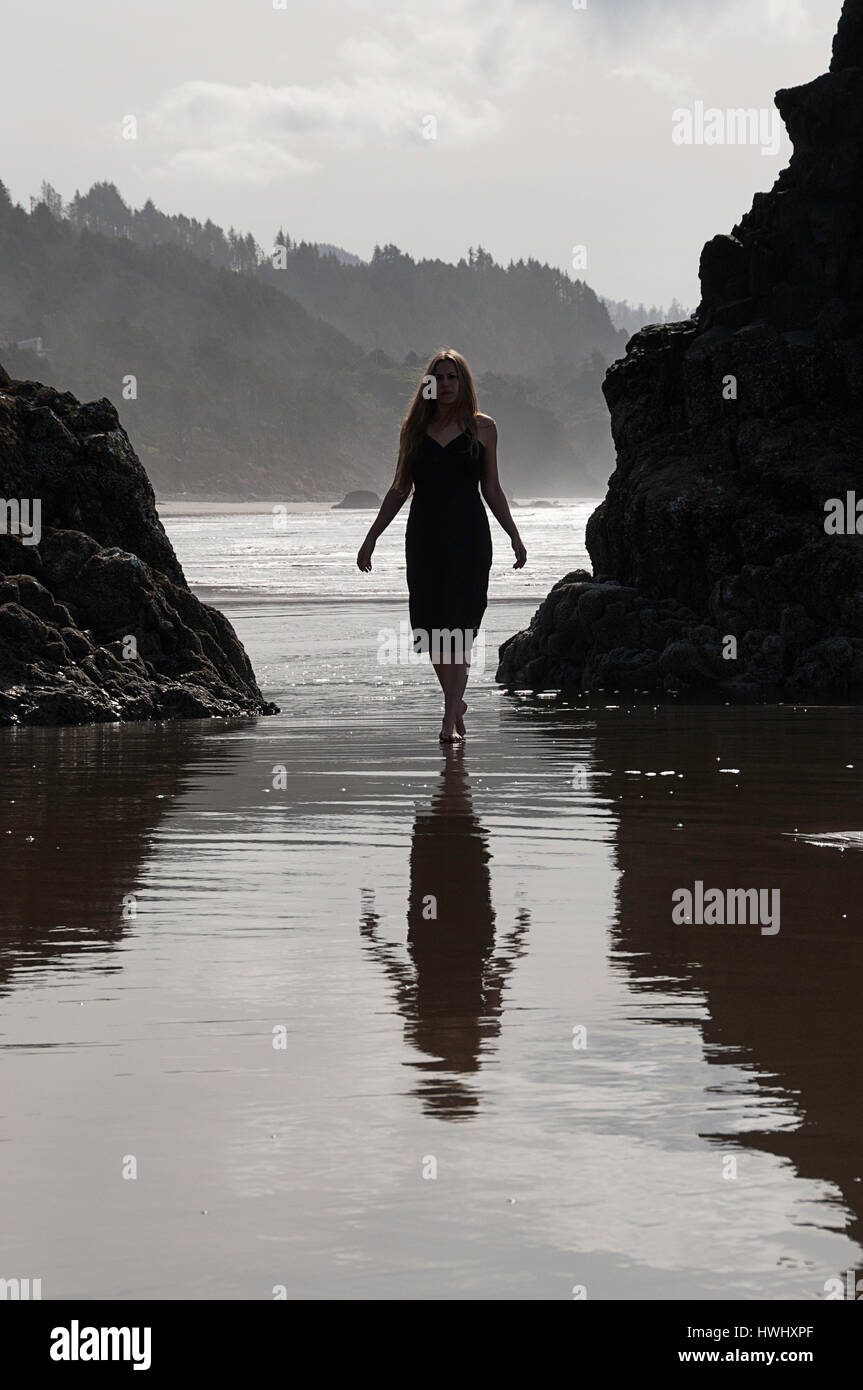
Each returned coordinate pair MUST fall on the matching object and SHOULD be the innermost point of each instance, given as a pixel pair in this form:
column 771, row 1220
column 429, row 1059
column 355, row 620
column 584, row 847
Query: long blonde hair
column 421, row 411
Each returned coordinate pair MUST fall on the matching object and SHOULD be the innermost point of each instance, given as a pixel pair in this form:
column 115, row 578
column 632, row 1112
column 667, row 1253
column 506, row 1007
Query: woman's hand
column 364, row 555
column 520, row 552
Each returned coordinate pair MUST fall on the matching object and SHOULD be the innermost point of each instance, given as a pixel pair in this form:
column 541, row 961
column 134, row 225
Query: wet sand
column 338, row 1021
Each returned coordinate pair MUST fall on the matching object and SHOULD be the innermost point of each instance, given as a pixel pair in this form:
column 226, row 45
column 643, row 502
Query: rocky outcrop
column 359, row 500
column 97, row 622
column 714, row 569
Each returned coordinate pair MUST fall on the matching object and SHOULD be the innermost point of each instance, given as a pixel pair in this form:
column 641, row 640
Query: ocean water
column 310, row 1003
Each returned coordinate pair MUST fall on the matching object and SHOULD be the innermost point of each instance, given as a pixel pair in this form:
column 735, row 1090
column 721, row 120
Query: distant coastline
column 214, row 506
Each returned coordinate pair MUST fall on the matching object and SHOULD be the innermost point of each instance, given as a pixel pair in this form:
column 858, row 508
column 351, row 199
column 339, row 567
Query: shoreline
column 205, row 506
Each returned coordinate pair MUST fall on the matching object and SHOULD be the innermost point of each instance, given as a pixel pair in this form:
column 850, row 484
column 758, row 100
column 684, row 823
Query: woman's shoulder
column 485, row 427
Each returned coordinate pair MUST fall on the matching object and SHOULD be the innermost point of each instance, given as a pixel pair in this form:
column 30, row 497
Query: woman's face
column 446, row 376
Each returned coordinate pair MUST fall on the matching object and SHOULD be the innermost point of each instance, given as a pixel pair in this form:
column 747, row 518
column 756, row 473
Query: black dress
column 447, row 542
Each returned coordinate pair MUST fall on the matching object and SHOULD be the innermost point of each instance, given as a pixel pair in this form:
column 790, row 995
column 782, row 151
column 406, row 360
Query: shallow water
column 235, row 976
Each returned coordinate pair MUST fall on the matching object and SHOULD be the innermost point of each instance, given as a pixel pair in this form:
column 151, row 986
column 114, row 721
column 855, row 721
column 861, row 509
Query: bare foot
column 449, row 733
column 459, row 723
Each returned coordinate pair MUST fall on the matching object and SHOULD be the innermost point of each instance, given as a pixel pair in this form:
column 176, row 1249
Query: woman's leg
column 453, row 679
column 455, row 705
column 441, row 670
column 448, row 675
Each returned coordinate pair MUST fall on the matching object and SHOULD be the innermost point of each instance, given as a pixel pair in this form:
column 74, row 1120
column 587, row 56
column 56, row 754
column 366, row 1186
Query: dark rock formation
column 733, row 430
column 97, row 622
column 358, row 500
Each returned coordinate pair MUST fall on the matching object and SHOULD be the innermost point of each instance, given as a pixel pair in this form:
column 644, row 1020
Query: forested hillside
column 240, row 373
column 631, row 318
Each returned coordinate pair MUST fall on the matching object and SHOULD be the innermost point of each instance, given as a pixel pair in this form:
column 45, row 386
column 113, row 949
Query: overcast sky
column 553, row 124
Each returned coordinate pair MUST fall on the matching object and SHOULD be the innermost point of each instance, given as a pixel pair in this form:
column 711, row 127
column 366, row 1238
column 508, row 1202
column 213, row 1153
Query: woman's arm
column 494, row 493
column 391, row 505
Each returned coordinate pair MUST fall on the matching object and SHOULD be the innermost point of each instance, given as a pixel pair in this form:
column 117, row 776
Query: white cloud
column 669, row 84
column 454, row 63
column 368, row 54
column 499, row 42
column 239, row 162
column 377, row 111
column 623, row 27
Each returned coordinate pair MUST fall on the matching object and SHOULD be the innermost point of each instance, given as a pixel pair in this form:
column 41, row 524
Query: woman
column 446, row 449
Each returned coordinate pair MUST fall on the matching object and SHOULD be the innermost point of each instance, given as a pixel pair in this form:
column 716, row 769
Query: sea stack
column 359, row 501
column 97, row 622
column 726, row 554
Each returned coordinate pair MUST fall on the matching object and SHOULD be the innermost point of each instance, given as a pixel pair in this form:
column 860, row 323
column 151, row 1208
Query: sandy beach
column 377, row 1021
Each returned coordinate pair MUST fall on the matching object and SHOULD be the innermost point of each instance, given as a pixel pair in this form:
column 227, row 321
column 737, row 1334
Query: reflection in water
column 77, row 831
column 703, row 1041
column 784, row 1008
column 450, row 994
